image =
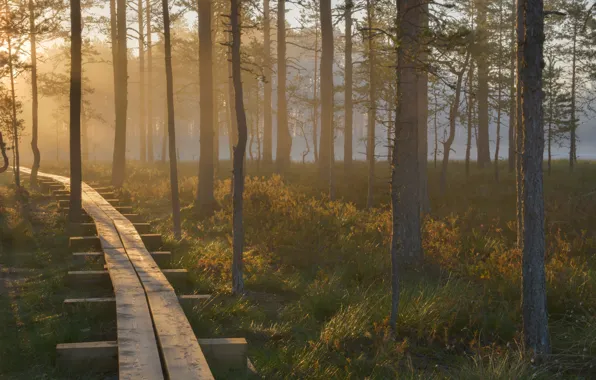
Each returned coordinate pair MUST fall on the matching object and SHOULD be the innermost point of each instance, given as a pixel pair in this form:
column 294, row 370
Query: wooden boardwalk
column 154, row 338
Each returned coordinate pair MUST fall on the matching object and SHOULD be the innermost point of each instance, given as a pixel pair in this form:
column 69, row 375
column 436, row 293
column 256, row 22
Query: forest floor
column 317, row 274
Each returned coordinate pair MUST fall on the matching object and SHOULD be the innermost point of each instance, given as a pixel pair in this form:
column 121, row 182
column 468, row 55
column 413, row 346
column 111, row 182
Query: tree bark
column 512, row 96
column 284, row 139
column 348, row 83
column 84, row 129
column 327, row 134
column 119, row 160
column 372, row 107
column 232, row 126
column 34, row 97
column 405, row 197
column 76, row 171
column 454, row 110
column 535, row 317
column 519, row 122
column 171, row 123
column 315, row 110
column 205, row 195
column 572, row 137
column 15, row 123
column 423, row 113
column 150, row 123
column 142, row 122
column 267, row 87
column 482, row 139
column 499, row 95
column 239, row 153
column 470, row 109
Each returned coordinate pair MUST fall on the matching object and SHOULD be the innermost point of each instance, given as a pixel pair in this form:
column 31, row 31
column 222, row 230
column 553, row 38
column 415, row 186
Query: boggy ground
column 317, row 274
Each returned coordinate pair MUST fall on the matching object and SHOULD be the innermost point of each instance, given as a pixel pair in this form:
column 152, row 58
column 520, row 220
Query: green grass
column 31, row 319
column 317, row 273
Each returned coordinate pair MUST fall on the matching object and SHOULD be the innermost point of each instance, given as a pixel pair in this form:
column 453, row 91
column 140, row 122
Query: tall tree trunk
column 142, row 122
column 436, row 114
column 327, row 134
column 512, row 95
column 15, row 123
column 535, row 316
column 405, row 198
column 84, row 130
column 216, row 103
column 34, row 97
column 171, row 120
column 348, row 83
column 284, row 139
column 499, row 95
column 315, row 110
column 372, row 107
column 551, row 115
column 389, row 134
column 453, row 112
column 482, row 139
column 267, row 90
column 114, row 41
column 119, row 160
column 519, row 122
column 470, row 117
column 164, row 137
column 423, row 113
column 239, row 153
column 150, row 122
column 205, row 195
column 76, row 172
column 232, row 126
column 572, row 137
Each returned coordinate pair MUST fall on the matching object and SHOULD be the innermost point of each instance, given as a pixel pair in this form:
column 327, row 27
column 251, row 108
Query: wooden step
column 135, row 218
column 162, row 258
column 82, row 278
column 83, row 229
column 142, row 228
column 225, row 353
column 84, row 244
column 102, row 357
column 103, row 189
column 108, row 304
column 124, row 209
column 153, row 242
column 101, row 278
column 64, row 201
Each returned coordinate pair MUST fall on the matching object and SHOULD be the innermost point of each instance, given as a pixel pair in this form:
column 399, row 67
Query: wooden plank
column 84, row 243
column 156, row 279
column 124, row 209
column 229, row 353
column 87, row 277
column 138, row 356
column 182, row 355
column 71, row 304
column 135, row 218
column 142, row 228
column 162, row 258
column 99, row 357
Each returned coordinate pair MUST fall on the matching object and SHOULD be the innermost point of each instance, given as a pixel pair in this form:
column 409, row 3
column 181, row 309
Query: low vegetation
column 317, row 275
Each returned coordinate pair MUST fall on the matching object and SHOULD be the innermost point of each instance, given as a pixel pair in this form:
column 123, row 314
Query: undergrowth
column 317, row 273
